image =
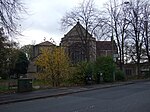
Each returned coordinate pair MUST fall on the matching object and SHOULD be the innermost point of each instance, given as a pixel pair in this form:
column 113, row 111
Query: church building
column 82, row 46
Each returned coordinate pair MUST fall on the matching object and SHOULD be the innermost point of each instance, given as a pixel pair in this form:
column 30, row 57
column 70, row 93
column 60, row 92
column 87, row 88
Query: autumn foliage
column 53, row 64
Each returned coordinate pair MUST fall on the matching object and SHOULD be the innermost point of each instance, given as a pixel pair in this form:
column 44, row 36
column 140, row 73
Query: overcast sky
column 43, row 19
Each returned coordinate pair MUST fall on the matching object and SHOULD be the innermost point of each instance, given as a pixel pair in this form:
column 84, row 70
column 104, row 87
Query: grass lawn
column 4, row 86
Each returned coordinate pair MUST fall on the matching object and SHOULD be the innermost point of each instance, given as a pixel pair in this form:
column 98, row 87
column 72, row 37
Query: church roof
column 78, row 29
column 105, row 45
column 45, row 43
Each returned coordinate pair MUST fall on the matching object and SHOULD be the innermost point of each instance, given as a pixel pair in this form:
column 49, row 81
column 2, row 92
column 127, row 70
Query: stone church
column 79, row 43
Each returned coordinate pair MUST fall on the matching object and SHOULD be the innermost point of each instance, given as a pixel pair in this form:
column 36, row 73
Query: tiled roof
column 103, row 45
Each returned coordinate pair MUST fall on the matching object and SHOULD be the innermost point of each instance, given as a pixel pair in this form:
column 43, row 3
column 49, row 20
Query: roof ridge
column 76, row 27
column 46, row 43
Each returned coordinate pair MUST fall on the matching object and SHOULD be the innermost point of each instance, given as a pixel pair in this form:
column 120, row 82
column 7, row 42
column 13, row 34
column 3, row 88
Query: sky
column 43, row 19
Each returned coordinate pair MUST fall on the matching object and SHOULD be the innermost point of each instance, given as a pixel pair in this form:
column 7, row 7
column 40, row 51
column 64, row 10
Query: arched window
column 76, row 53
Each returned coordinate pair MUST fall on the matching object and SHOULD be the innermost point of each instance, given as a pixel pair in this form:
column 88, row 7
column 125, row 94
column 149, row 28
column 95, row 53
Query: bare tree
column 117, row 20
column 89, row 17
column 10, row 14
column 146, row 29
column 128, row 23
column 136, row 20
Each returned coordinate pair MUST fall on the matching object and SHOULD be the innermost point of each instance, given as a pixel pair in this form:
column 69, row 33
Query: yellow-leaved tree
column 53, row 64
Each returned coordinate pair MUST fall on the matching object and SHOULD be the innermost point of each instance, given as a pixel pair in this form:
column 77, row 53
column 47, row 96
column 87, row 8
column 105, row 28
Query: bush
column 80, row 72
column 4, row 76
column 147, row 75
column 77, row 78
column 104, row 65
column 119, row 75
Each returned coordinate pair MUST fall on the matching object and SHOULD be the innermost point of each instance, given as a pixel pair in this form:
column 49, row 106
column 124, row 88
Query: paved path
column 19, row 97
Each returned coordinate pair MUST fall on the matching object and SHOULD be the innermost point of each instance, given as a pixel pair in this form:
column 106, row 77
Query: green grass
column 3, row 88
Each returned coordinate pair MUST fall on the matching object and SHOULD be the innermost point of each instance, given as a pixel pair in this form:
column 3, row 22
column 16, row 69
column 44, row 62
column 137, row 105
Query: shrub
column 106, row 66
column 147, row 75
column 80, row 72
column 119, row 75
column 76, row 77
